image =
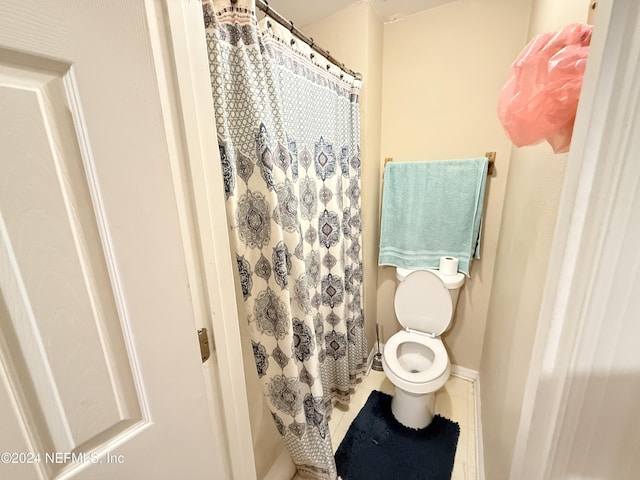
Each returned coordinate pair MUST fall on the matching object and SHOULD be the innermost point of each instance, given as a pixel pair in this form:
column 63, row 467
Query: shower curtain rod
column 264, row 6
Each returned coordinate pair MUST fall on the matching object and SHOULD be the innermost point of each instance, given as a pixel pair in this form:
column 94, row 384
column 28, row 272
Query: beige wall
column 531, row 204
column 443, row 71
column 354, row 36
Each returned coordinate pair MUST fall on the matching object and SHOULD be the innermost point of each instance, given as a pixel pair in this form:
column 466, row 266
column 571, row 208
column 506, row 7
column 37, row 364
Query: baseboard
column 464, row 372
column 479, row 444
column 474, row 377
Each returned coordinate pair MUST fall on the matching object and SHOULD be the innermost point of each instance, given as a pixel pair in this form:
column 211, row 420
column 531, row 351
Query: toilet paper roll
column 448, row 265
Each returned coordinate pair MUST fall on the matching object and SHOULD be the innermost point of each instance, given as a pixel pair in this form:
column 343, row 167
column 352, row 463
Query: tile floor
column 454, row 401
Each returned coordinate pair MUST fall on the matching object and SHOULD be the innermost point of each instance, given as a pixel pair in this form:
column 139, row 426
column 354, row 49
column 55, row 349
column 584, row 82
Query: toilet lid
column 423, row 303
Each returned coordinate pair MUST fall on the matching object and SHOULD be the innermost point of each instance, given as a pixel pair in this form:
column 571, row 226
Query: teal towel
column 432, row 209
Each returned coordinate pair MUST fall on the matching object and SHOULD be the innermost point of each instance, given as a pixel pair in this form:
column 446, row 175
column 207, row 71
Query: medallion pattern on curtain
column 289, row 137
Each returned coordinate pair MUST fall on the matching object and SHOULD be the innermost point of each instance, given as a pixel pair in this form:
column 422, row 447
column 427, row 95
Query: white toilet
column 415, row 359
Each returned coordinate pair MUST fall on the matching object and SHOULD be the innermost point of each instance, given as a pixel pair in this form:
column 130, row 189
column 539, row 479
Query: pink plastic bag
column 540, row 96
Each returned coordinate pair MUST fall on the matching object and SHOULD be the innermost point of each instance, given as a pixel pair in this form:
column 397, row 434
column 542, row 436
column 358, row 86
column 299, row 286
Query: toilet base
column 413, row 410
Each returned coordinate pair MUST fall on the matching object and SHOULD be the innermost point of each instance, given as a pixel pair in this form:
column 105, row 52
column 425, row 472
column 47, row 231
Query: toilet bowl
column 415, row 359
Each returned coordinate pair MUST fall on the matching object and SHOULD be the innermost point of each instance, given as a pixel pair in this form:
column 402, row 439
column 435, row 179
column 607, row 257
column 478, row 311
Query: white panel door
column 100, row 374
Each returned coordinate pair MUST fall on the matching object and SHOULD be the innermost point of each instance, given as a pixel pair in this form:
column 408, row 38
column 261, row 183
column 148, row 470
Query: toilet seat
column 424, row 308
column 423, row 303
column 425, row 381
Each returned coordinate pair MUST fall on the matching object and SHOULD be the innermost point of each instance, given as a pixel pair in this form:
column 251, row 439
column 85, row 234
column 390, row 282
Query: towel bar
column 491, row 156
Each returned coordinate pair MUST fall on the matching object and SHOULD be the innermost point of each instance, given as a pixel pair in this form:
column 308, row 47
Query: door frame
column 182, row 67
column 580, row 284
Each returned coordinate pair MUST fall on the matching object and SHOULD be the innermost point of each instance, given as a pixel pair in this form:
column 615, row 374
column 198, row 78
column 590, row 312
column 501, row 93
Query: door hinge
column 203, row 339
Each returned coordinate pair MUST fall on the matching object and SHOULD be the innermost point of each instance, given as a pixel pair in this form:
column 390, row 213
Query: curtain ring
column 266, row 3
column 311, row 44
column 291, row 27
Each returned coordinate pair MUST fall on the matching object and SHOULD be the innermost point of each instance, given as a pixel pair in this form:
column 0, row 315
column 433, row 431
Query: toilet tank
column 453, row 282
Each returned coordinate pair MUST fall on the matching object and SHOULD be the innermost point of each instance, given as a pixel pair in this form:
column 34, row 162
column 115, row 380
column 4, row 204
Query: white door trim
column 582, row 280
column 188, row 109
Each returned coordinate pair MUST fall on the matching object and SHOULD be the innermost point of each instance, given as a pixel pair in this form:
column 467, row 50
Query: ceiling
column 303, row 12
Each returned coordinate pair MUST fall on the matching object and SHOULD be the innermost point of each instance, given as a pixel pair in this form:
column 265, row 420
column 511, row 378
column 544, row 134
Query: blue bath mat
column 378, row 447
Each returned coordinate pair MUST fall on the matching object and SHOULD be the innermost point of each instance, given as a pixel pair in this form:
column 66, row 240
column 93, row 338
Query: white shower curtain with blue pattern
column 288, row 128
